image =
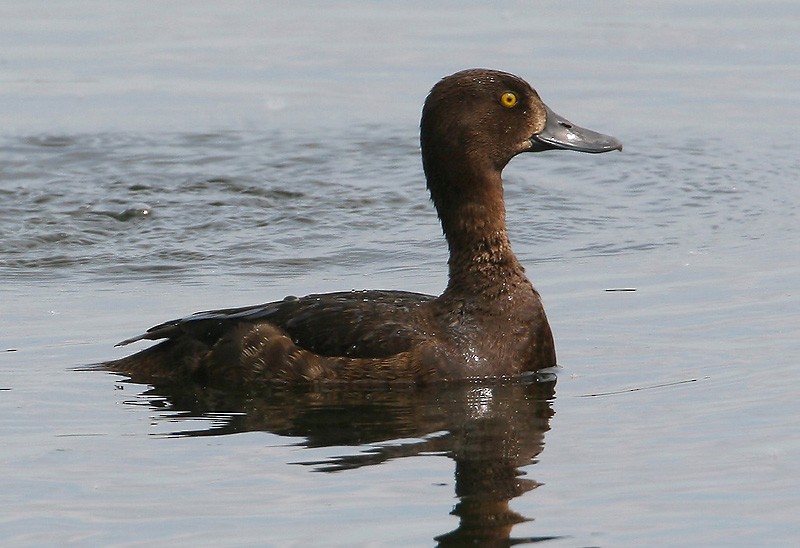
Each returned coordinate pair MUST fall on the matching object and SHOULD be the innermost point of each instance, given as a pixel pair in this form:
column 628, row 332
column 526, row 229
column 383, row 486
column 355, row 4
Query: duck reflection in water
column 490, row 430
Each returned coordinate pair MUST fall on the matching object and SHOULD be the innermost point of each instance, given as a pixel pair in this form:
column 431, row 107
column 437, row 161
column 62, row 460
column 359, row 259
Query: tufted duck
column 488, row 322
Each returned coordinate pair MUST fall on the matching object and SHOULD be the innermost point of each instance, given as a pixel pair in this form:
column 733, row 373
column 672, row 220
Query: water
column 159, row 160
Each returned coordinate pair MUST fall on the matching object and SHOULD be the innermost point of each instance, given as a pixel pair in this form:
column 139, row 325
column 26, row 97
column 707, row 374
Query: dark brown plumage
column 488, row 322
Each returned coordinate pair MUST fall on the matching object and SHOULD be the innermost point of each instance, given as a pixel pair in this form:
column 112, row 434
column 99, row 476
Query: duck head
column 487, row 117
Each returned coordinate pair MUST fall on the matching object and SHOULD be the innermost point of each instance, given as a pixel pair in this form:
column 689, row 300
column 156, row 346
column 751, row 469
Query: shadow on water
column 490, row 430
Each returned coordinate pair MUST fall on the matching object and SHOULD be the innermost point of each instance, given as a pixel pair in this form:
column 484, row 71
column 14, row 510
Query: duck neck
column 473, row 217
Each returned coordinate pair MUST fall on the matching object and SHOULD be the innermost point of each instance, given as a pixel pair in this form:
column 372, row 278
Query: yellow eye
column 508, row 99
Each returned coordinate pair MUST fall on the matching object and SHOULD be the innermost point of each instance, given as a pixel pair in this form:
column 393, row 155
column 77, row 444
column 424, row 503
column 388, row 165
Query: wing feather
column 357, row 324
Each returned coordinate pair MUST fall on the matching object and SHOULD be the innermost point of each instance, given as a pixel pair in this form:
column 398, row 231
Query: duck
column 489, row 322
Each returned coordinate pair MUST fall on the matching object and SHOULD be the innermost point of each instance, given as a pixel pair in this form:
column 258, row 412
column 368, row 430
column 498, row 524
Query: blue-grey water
column 158, row 159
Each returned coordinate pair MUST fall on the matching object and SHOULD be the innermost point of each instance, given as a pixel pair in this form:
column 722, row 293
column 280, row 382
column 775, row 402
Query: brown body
column 488, row 322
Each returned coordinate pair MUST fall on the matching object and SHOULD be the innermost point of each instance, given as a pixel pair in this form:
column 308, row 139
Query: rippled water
column 110, row 204
column 236, row 156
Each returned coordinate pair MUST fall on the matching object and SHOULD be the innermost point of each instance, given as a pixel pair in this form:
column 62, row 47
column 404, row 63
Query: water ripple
column 120, row 204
